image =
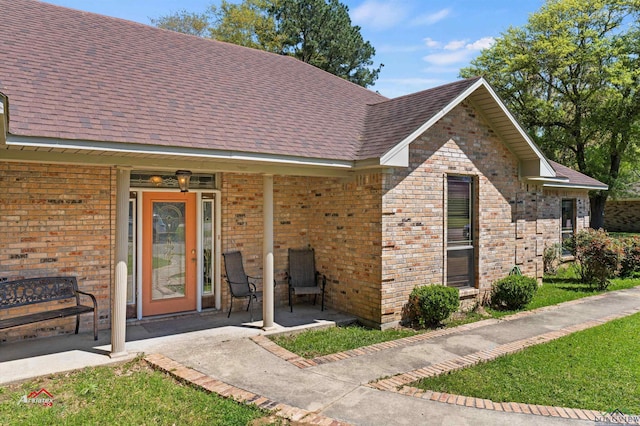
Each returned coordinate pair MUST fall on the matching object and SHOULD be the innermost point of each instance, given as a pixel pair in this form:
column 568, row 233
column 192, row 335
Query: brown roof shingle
column 77, row 75
column 575, row 178
column 391, row 121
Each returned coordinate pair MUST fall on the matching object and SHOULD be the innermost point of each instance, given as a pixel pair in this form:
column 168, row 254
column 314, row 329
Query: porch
column 38, row 357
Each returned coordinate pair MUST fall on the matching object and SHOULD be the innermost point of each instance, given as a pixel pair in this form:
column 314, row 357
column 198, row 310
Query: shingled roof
column 76, row 75
column 576, row 179
column 105, row 82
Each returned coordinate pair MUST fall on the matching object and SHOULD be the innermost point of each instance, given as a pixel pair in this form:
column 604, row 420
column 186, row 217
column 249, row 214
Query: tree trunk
column 598, row 201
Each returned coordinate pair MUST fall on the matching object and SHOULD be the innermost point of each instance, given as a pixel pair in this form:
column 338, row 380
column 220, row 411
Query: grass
column 559, row 288
column 596, row 369
column 563, row 287
column 311, row 344
column 129, row 394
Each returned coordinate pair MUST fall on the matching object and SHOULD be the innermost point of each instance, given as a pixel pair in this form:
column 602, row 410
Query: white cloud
column 483, row 43
column 458, row 51
column 378, row 14
column 455, row 45
column 430, row 18
column 448, row 58
column 431, row 43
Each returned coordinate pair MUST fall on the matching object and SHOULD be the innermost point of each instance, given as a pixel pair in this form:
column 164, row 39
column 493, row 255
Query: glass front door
column 168, row 253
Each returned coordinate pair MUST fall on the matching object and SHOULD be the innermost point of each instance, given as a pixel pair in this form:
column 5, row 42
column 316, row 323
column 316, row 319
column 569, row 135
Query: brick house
column 97, row 114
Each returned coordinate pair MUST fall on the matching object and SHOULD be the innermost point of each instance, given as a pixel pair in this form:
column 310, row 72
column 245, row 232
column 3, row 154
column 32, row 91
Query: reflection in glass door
column 169, row 255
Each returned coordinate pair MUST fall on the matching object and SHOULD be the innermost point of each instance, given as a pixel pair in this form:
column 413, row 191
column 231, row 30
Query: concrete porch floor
column 32, row 358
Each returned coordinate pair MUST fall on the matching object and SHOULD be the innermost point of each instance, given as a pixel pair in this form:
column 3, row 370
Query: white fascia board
column 4, row 120
column 396, row 157
column 153, row 150
column 576, row 186
column 391, row 156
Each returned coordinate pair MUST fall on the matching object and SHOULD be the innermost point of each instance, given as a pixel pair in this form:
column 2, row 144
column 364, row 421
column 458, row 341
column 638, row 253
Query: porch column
column 267, row 251
column 119, row 301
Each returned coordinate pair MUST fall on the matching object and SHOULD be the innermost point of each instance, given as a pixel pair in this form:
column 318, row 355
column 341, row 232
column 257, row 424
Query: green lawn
column 311, row 344
column 563, row 287
column 129, row 394
column 596, row 369
column 557, row 289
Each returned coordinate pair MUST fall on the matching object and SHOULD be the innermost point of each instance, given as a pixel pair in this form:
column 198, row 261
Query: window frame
column 467, row 243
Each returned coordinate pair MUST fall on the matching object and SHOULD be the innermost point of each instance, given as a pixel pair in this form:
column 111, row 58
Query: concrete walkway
column 367, row 386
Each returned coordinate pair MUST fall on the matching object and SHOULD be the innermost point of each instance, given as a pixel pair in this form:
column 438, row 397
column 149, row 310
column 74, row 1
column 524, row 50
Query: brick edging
column 225, row 390
column 399, row 383
column 301, row 362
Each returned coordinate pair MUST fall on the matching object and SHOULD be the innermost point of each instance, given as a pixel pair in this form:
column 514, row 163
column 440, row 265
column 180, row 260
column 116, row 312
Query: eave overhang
column 4, row 119
column 491, row 108
column 24, row 148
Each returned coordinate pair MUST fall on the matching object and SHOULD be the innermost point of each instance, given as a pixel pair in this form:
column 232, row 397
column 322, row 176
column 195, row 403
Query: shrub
column 630, row 263
column 597, row 257
column 551, row 258
column 431, row 304
column 513, row 292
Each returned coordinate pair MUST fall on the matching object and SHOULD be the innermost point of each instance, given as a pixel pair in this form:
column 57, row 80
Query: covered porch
column 194, row 331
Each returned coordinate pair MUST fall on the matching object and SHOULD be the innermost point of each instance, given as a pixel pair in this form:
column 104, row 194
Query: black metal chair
column 241, row 285
column 303, row 277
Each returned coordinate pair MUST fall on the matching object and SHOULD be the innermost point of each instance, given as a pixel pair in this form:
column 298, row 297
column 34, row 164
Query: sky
column 422, row 43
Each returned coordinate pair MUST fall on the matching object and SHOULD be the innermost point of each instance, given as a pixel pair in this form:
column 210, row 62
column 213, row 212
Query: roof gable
column 392, row 125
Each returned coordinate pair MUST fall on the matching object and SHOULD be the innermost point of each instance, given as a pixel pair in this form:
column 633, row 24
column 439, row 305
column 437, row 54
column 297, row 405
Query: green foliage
column 248, row 24
column 432, row 304
column 185, row 22
column 318, row 32
column 571, row 76
column 630, row 264
column 513, row 292
column 597, row 257
column 551, row 257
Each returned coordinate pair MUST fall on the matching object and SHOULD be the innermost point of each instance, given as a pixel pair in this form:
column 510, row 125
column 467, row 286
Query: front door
column 168, row 253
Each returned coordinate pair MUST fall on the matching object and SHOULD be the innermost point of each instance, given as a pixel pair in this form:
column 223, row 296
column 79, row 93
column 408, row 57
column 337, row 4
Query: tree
column 185, row 22
column 318, row 32
column 570, row 76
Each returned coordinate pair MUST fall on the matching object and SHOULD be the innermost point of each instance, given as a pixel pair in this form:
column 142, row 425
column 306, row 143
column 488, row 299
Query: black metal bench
column 33, row 291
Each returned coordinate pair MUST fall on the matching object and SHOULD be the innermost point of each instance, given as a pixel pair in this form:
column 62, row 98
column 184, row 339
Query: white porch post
column 119, row 302
column 267, row 284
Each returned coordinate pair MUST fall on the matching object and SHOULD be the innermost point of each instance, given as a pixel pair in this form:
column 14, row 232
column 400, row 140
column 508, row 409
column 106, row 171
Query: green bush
column 630, row 264
column 431, row 304
column 513, row 292
column 551, row 258
column 597, row 257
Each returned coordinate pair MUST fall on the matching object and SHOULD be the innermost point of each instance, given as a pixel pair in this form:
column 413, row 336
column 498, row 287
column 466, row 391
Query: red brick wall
column 414, row 207
column 622, row 216
column 340, row 220
column 57, row 220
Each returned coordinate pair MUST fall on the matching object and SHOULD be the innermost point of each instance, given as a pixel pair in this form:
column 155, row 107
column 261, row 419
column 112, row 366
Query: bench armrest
column 324, row 279
column 93, row 298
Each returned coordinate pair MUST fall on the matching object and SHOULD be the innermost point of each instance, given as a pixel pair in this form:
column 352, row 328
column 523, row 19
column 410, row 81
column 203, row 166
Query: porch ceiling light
column 183, row 177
